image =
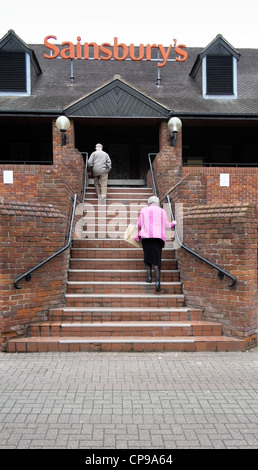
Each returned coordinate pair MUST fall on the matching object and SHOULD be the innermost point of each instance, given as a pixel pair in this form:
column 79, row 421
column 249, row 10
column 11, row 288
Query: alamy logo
column 111, row 221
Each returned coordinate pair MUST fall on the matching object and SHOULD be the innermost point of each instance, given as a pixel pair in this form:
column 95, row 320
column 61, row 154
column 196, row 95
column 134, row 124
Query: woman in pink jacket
column 153, row 223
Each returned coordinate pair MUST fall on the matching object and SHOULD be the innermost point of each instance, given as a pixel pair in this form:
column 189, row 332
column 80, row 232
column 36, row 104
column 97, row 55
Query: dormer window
column 219, row 76
column 13, row 76
column 215, row 69
column 19, row 67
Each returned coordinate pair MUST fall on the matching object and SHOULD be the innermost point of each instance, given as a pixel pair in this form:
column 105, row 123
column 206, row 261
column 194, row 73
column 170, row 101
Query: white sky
column 194, row 23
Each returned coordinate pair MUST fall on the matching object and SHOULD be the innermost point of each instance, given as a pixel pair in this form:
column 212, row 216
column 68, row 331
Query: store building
column 124, row 96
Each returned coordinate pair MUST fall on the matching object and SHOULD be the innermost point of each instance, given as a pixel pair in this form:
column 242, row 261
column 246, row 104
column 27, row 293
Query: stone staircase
column 109, row 306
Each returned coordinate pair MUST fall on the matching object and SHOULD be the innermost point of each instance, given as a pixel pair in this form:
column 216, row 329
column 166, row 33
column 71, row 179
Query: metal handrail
column 221, row 164
column 152, row 174
column 85, row 175
column 27, row 275
column 221, row 272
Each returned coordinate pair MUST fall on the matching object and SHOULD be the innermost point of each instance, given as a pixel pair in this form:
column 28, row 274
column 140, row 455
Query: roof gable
column 219, row 46
column 115, row 99
column 12, row 43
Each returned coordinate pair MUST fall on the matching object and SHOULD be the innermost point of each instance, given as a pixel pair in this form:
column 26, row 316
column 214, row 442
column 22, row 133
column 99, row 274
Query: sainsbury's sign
column 117, row 51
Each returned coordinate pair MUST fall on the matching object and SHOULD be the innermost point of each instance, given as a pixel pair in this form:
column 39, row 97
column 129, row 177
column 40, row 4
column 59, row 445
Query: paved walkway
column 129, row 401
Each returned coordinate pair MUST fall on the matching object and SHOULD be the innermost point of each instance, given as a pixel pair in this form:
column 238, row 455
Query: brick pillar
column 58, row 149
column 68, row 159
column 167, row 165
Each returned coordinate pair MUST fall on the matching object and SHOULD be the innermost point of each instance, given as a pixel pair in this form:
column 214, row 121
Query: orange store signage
column 117, row 51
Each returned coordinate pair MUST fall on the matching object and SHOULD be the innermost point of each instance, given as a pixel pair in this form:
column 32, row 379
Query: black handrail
column 152, row 174
column 220, row 164
column 85, row 175
column 27, row 275
column 221, row 272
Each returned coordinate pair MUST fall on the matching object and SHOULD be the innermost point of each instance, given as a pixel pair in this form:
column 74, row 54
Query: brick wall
column 225, row 234
column 242, row 183
column 34, row 216
column 30, row 232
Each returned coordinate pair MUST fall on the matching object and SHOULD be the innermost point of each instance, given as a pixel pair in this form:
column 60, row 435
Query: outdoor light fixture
column 174, row 126
column 63, row 124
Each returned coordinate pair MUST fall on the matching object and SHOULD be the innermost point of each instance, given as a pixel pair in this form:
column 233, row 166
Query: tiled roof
column 178, row 91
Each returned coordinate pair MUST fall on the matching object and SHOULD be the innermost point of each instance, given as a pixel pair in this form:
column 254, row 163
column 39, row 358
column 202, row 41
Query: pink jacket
column 153, row 222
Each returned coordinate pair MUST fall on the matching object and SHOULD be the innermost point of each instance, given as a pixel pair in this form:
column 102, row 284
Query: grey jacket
column 99, row 162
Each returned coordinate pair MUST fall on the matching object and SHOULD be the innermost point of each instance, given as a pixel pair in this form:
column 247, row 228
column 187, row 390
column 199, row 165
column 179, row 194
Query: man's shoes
column 102, row 199
column 158, row 288
column 149, row 279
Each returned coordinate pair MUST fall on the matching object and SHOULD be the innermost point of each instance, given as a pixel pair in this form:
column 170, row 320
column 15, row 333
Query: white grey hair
column 153, row 200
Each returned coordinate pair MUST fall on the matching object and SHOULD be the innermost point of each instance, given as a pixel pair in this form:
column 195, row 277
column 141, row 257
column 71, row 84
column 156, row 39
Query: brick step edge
column 125, row 329
column 125, row 314
column 134, row 296
column 116, row 287
column 121, row 283
column 139, row 344
column 162, row 323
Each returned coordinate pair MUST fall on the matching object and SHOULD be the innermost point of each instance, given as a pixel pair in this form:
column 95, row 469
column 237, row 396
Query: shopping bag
column 130, row 233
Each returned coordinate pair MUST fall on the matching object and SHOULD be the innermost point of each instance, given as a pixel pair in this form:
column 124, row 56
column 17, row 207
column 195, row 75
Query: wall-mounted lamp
column 63, row 124
column 174, row 126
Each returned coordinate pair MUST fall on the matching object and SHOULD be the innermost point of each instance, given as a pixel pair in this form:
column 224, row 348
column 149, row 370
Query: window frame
column 27, row 78
column 218, row 96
